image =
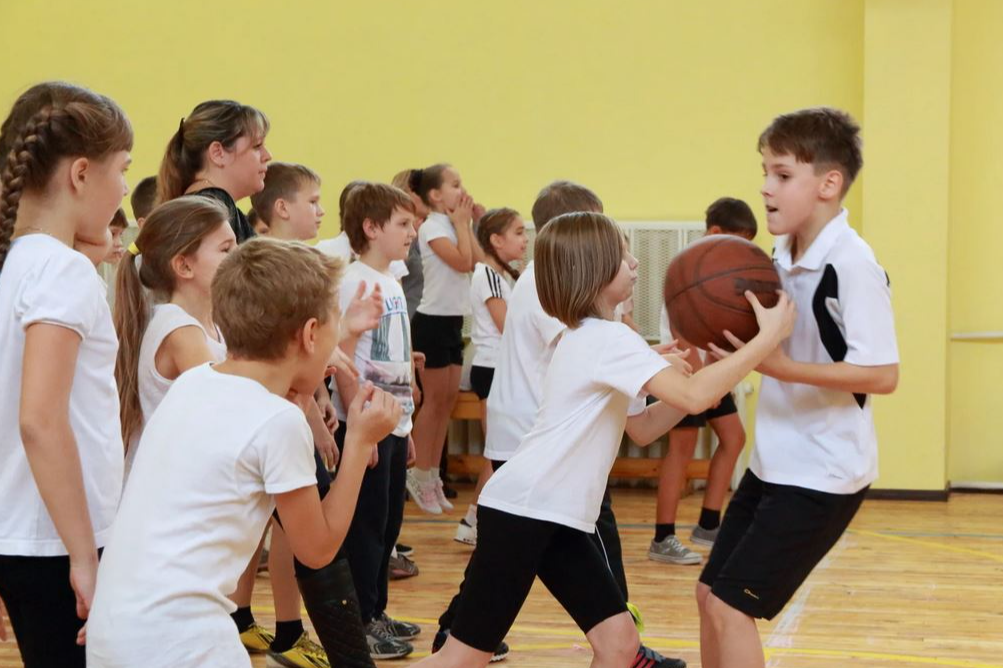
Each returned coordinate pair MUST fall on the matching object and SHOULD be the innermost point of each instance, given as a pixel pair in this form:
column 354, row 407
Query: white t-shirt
column 446, row 290
column 340, row 247
column 523, row 356
column 44, row 281
column 382, row 355
column 166, row 318
column 560, row 470
column 486, row 284
column 212, row 456
column 811, row 436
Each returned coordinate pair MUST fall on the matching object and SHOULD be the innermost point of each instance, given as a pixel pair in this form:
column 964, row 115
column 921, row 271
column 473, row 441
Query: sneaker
column 402, row 568
column 649, row 658
column 395, row 628
column 405, row 550
column 440, row 496
column 671, row 551
column 304, row 654
column 257, row 639
column 500, row 652
column 382, row 646
column 423, row 494
column 705, row 537
column 465, row 533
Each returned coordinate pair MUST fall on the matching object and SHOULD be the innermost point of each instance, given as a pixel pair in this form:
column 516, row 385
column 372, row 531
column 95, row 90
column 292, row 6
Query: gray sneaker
column 705, row 537
column 396, row 628
column 671, row 551
column 382, row 646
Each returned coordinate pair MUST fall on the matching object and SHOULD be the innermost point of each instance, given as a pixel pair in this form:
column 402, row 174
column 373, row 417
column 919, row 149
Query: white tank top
column 152, row 386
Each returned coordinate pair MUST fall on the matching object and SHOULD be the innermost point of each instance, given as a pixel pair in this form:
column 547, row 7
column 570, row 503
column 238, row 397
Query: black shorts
column 771, row 538
column 480, row 380
column 440, row 337
column 726, row 407
column 511, row 552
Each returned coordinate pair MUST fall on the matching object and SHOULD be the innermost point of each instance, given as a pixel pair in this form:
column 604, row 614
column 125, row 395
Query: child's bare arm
column 316, row 529
column 656, row 420
column 182, row 349
column 498, row 310
column 459, row 256
column 841, row 376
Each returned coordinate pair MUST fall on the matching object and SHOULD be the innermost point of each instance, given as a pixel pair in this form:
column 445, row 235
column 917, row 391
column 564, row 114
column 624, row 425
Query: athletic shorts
column 726, row 407
column 440, row 337
column 480, row 380
column 771, row 538
column 512, row 551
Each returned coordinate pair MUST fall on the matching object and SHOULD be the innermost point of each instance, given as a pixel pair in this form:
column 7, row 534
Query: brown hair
column 119, row 220
column 266, row 290
column 563, row 197
column 48, row 122
column 824, row 137
column 283, row 180
column 173, row 228
column 224, row 121
column 577, row 256
column 144, row 197
column 733, row 216
column 496, row 221
column 423, row 181
column 343, row 199
column 375, row 202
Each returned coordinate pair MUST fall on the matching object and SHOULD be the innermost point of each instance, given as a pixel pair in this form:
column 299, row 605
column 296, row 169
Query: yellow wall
column 907, row 85
column 976, row 277
column 655, row 105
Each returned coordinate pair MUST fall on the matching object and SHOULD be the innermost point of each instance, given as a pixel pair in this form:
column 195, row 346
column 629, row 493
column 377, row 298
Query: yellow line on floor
column 930, row 544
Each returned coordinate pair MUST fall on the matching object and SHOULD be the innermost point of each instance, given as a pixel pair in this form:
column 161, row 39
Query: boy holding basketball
column 816, row 449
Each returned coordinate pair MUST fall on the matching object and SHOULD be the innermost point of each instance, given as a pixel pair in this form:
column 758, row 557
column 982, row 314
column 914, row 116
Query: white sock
column 423, row 475
column 435, row 474
column 471, row 517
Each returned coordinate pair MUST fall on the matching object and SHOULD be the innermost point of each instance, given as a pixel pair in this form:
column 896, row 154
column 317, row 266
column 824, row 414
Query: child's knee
column 722, row 615
column 616, row 639
column 702, row 592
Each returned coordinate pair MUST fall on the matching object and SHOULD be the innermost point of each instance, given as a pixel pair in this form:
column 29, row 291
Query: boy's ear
column 308, row 336
column 369, row 228
column 832, row 185
column 714, row 229
column 281, row 209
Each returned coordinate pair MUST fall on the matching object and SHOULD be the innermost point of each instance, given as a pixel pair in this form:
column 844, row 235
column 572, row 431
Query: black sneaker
column 649, row 658
column 500, row 652
column 382, row 646
column 405, row 550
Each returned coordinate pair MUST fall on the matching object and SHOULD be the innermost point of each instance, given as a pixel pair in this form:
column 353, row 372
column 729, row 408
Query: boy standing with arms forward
column 816, row 449
column 379, row 223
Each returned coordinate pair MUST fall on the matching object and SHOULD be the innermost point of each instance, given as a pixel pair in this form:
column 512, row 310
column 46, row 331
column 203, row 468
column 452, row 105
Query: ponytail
column 496, row 221
column 423, row 181
column 131, row 316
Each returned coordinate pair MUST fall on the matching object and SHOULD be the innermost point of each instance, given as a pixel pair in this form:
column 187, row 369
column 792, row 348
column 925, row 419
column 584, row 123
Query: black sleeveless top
column 238, row 221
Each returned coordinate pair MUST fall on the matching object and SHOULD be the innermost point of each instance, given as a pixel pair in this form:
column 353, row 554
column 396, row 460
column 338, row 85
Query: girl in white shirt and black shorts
column 448, row 252
column 536, row 512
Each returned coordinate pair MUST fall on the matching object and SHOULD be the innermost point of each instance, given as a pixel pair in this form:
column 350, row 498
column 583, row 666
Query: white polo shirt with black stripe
column 485, row 284
column 810, row 436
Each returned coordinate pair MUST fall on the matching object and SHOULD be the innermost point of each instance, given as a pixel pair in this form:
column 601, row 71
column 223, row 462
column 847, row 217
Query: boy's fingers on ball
column 733, row 340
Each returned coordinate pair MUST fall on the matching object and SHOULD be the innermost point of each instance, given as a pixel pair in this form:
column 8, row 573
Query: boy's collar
column 812, row 259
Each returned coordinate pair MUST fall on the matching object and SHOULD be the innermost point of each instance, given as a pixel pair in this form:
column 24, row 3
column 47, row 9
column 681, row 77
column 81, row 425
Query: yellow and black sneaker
column 304, row 654
column 257, row 639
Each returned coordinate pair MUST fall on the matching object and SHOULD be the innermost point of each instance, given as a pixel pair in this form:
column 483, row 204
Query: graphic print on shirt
column 389, row 363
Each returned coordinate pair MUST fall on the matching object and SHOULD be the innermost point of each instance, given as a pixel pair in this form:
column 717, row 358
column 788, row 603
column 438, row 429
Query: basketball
column 705, row 289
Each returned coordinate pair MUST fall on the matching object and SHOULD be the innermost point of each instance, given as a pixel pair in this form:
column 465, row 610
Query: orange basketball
column 705, row 289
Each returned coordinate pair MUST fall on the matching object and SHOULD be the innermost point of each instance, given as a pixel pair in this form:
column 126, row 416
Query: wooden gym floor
column 911, row 584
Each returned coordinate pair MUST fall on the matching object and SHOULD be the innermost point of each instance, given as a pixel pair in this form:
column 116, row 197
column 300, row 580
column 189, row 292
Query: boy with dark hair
column 144, row 198
column 816, row 448
column 726, row 215
column 378, row 221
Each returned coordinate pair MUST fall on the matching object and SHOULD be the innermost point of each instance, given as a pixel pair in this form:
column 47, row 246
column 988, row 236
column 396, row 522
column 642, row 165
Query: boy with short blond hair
column 289, row 204
column 816, row 449
column 224, row 448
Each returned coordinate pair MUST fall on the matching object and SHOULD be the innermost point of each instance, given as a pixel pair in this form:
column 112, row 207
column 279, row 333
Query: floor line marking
column 930, row 544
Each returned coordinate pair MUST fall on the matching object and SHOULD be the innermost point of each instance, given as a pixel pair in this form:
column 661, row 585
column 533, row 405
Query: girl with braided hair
column 64, row 151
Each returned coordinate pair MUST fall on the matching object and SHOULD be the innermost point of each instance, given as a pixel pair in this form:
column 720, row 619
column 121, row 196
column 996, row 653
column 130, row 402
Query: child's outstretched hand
column 372, row 415
column 777, row 322
column 363, row 313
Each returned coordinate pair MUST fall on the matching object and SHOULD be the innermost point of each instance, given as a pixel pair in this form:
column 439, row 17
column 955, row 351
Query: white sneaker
column 465, row 533
column 440, row 496
column 423, row 494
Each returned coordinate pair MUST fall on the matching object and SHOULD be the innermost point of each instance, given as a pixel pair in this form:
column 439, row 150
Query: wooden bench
column 467, row 407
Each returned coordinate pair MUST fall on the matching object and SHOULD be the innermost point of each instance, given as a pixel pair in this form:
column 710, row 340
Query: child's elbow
column 888, row 380
column 316, row 558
